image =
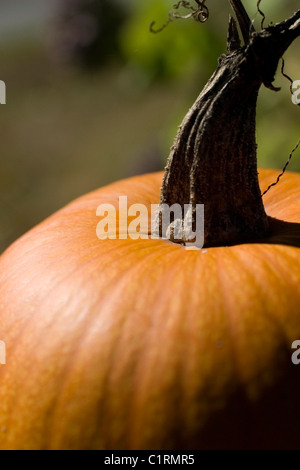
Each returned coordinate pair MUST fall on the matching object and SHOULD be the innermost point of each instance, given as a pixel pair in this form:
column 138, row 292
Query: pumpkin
column 142, row 344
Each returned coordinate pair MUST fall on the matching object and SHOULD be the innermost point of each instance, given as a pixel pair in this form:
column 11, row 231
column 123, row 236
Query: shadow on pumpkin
column 282, row 233
column 271, row 421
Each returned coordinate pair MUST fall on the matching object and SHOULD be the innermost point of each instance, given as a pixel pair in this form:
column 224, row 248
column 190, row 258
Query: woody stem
column 213, row 160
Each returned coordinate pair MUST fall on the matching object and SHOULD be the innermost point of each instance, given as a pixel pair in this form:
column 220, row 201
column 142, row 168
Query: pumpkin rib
column 228, row 308
column 280, row 266
column 278, row 330
column 257, row 279
column 240, row 318
column 85, row 335
column 150, row 339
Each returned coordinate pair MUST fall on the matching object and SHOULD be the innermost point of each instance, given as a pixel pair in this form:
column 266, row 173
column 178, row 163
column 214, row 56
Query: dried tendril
column 283, row 171
column 261, row 13
column 298, row 143
column 199, row 14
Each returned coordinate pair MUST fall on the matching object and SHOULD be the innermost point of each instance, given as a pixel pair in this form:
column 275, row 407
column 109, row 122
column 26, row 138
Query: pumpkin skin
column 123, row 344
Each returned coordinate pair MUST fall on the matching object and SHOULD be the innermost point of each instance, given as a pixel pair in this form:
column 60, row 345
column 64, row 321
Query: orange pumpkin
column 123, row 344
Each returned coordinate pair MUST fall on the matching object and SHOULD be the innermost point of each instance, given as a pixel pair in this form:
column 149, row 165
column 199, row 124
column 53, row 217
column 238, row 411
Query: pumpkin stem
column 213, row 160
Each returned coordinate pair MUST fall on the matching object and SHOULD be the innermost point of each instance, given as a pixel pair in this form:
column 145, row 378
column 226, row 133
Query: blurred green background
column 93, row 96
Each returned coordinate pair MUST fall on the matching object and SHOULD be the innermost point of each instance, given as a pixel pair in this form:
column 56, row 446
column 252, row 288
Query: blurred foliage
column 185, row 46
column 85, row 32
column 65, row 132
column 179, row 50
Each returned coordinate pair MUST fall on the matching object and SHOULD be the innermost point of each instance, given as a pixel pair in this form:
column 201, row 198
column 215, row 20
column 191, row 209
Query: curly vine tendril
column 199, row 14
column 298, row 143
column 261, row 13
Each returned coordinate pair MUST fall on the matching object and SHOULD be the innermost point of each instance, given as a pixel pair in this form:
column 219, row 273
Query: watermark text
column 2, row 92
column 296, row 354
column 178, row 224
column 2, row 353
column 295, row 89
